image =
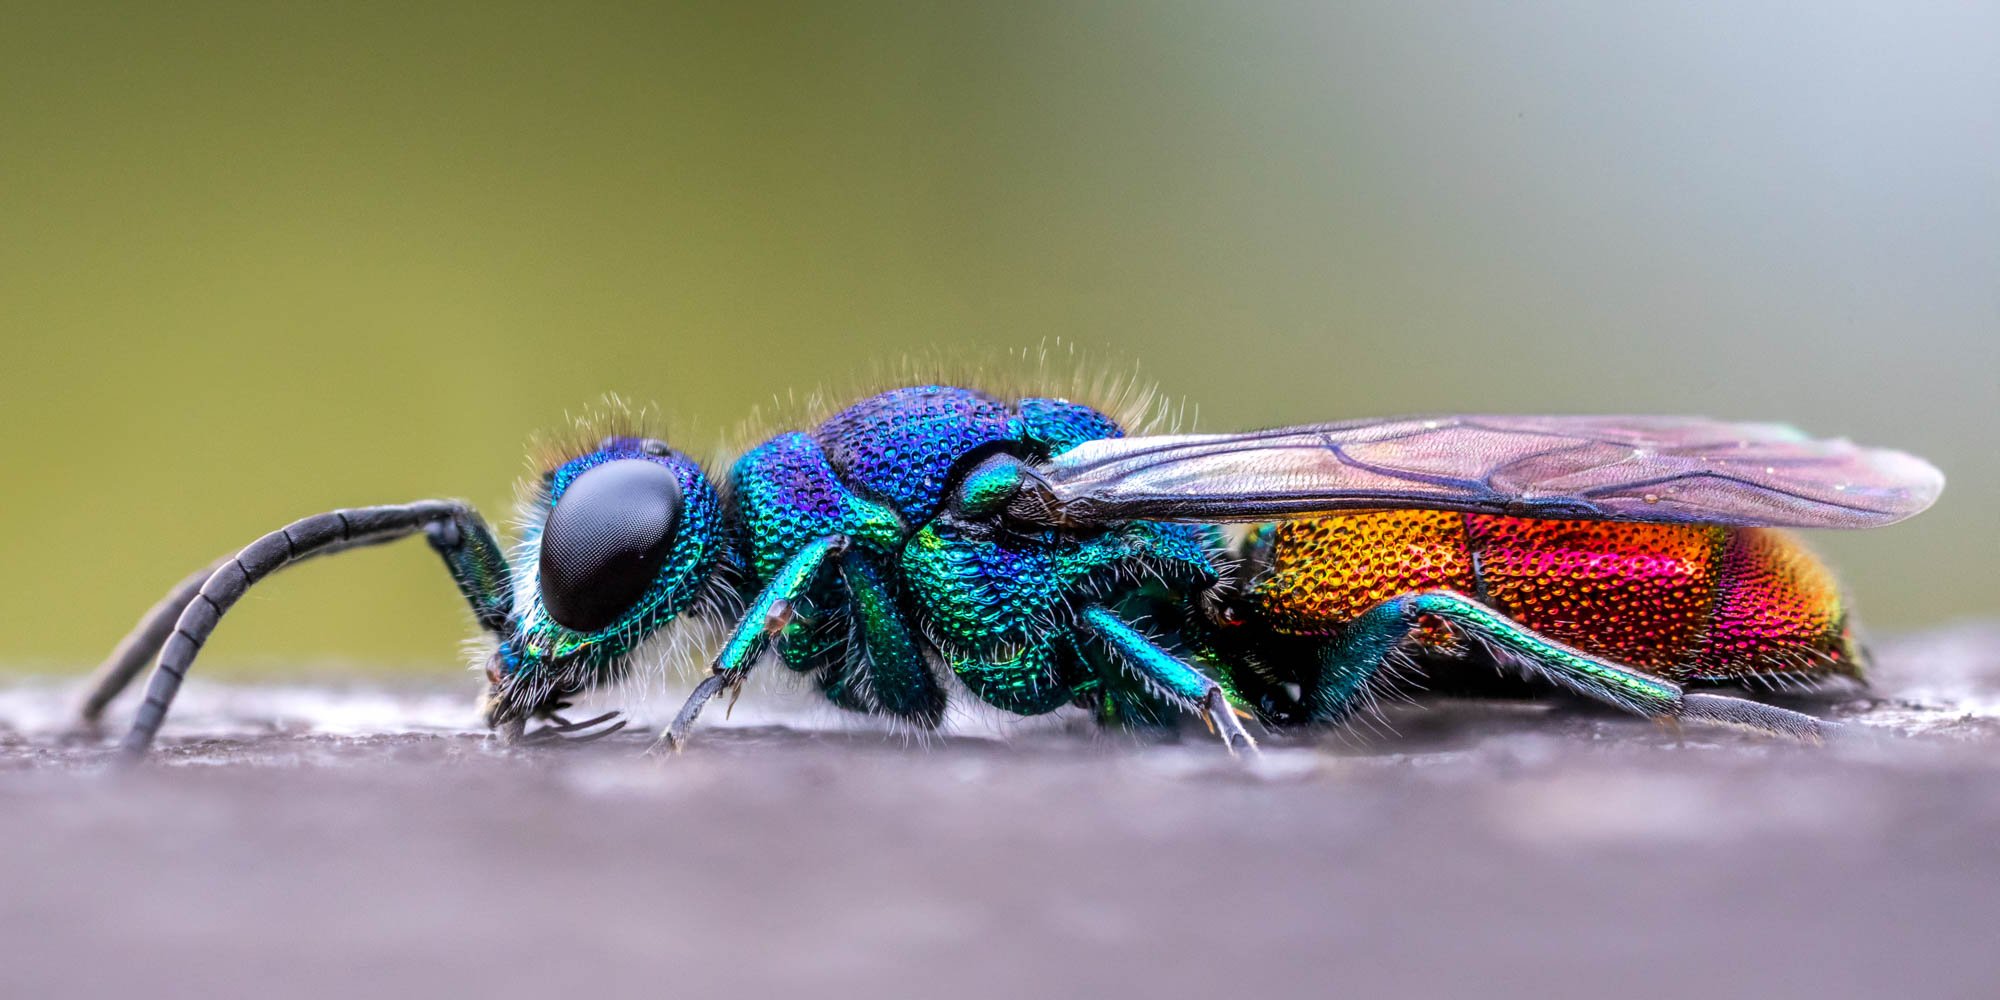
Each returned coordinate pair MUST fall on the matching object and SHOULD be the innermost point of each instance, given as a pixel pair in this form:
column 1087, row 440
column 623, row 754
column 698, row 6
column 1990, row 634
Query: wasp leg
column 766, row 616
column 1179, row 681
column 1727, row 711
column 1350, row 663
column 898, row 675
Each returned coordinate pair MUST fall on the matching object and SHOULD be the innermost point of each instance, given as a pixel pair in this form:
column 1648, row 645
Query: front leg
column 766, row 616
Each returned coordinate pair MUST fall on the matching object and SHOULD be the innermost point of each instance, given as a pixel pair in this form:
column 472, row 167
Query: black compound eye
column 606, row 540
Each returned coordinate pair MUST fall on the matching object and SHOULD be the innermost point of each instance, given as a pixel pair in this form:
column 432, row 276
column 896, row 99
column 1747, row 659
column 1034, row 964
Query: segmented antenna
column 201, row 611
column 140, row 647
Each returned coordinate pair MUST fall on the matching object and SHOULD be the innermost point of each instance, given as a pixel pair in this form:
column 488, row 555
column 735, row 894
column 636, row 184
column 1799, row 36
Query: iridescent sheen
column 1778, row 611
column 877, row 543
column 1349, row 661
column 1025, row 548
column 540, row 655
column 999, row 602
column 1686, row 602
column 900, row 446
column 907, row 478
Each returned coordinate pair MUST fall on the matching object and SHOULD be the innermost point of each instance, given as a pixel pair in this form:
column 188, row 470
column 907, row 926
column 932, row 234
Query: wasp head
column 619, row 542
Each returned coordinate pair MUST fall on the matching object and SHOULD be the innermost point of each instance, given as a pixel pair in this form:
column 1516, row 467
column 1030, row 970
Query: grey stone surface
column 335, row 842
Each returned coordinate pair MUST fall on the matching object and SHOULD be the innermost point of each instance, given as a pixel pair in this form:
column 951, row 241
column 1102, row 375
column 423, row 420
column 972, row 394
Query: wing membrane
column 1626, row 468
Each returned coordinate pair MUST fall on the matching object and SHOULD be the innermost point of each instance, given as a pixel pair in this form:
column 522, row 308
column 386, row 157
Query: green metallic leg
column 820, row 644
column 1114, row 695
column 1367, row 643
column 855, row 642
column 898, row 675
column 1178, row 681
column 766, row 616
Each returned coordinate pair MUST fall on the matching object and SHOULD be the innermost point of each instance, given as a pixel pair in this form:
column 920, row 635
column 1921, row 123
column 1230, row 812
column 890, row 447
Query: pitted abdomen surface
column 1682, row 601
column 1327, row 572
column 1639, row 594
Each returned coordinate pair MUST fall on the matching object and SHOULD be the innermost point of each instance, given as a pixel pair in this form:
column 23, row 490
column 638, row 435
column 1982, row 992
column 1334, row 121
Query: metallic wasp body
column 933, row 539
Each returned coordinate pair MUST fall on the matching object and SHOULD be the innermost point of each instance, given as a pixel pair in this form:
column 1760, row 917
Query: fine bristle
column 1054, row 369
column 611, row 416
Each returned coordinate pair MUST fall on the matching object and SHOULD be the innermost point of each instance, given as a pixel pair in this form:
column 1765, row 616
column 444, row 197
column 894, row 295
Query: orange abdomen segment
column 1682, row 601
column 1328, row 572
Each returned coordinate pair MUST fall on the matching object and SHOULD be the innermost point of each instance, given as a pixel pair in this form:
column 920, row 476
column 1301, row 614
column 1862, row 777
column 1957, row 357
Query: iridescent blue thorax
column 914, row 482
column 879, row 469
column 902, row 445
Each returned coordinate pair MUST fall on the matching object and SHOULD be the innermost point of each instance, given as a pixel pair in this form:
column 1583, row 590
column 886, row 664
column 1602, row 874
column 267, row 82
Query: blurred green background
column 261, row 260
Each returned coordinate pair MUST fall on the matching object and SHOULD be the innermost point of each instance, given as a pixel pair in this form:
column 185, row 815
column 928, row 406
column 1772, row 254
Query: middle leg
column 1180, row 682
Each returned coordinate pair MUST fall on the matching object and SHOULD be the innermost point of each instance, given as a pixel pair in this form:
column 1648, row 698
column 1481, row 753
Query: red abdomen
column 1687, row 602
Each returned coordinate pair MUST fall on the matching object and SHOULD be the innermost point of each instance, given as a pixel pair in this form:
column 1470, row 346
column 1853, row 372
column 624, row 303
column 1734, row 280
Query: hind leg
column 1352, row 662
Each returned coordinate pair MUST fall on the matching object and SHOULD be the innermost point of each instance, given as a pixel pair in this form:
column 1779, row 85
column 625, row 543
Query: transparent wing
column 1626, row 468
